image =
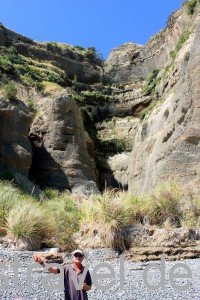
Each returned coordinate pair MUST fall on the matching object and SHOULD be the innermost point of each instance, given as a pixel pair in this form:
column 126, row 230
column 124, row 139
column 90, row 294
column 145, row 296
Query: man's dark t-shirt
column 71, row 293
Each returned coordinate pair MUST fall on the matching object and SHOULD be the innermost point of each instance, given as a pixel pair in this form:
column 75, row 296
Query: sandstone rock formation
column 178, row 243
column 166, row 142
column 60, row 155
column 74, row 63
column 166, row 145
column 131, row 62
column 15, row 148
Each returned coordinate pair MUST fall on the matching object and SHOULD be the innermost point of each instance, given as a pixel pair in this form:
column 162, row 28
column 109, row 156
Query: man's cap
column 78, row 251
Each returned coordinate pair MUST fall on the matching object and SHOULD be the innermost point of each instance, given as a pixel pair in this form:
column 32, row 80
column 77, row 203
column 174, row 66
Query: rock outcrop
column 61, row 158
column 15, row 148
column 73, row 61
column 166, row 145
column 177, row 243
column 131, row 62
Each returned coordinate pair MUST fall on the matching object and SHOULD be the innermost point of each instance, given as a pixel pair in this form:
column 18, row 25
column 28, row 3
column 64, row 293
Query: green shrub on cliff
column 5, row 65
column 113, row 145
column 147, row 111
column 29, row 71
column 182, row 39
column 191, row 6
column 151, row 83
column 95, row 95
column 10, row 91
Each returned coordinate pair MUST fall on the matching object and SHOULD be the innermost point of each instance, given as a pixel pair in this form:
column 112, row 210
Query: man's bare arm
column 39, row 260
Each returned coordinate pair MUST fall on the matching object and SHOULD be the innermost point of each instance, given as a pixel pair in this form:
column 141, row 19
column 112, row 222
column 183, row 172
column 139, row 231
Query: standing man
column 71, row 293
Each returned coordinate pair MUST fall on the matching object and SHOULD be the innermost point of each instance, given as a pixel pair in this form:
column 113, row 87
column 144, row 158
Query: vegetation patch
column 191, row 5
column 67, row 215
column 151, row 83
column 109, row 215
column 30, row 72
column 55, row 217
column 113, row 146
column 147, row 111
column 182, row 39
column 31, row 105
column 95, row 95
column 89, row 52
column 31, row 224
column 10, row 91
column 112, row 213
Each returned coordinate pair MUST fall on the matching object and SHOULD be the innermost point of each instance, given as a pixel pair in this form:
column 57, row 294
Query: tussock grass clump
column 191, row 213
column 31, row 224
column 109, row 214
column 51, row 221
column 113, row 213
column 66, row 214
column 9, row 197
column 55, row 217
column 163, row 205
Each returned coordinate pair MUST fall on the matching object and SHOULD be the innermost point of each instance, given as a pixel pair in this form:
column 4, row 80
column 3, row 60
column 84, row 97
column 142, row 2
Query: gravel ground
column 134, row 287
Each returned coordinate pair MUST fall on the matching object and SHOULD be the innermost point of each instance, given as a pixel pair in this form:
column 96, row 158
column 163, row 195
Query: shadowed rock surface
column 15, row 149
column 60, row 155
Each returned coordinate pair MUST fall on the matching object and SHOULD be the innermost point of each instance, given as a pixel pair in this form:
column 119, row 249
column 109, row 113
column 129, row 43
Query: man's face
column 77, row 258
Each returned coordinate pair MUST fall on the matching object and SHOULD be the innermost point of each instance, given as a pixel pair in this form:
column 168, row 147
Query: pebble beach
column 127, row 280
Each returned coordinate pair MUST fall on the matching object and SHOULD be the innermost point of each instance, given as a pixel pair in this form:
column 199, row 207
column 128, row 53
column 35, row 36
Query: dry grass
column 110, row 215
column 191, row 212
column 67, row 215
column 51, row 221
column 31, row 224
column 50, row 88
column 163, row 205
column 57, row 216
column 9, row 197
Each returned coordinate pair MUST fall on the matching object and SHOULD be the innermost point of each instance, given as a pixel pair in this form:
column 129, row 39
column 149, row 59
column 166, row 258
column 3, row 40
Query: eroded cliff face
column 72, row 60
column 166, row 141
column 72, row 130
column 15, row 149
column 61, row 157
column 131, row 62
column 42, row 131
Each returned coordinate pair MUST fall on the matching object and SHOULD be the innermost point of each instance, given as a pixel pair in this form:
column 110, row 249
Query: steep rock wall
column 15, row 148
column 131, row 62
column 61, row 156
column 166, row 146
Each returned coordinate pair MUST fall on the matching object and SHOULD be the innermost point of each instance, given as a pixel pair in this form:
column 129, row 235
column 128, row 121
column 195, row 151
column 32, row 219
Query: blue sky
column 103, row 24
